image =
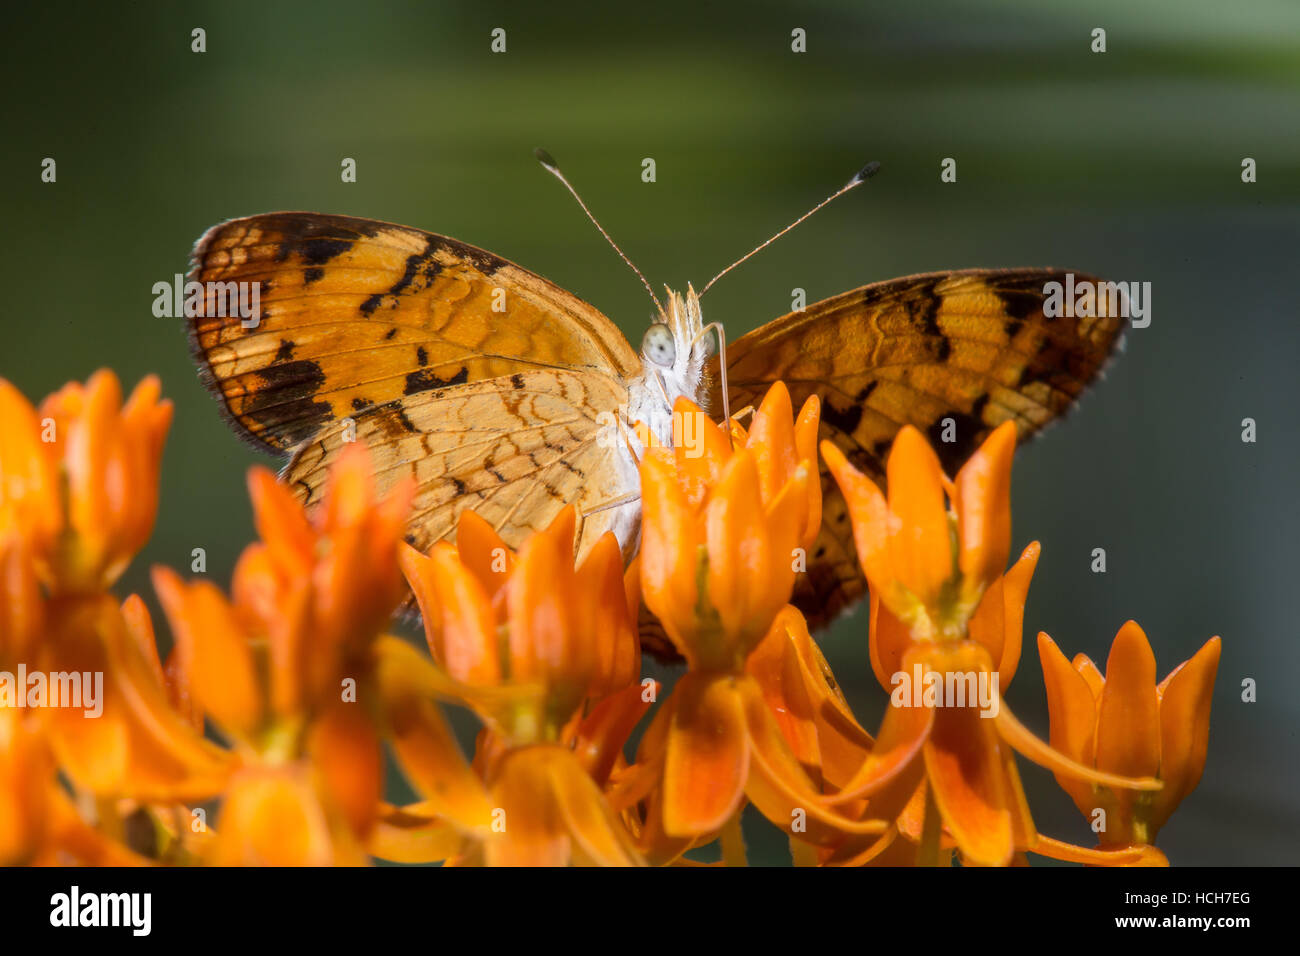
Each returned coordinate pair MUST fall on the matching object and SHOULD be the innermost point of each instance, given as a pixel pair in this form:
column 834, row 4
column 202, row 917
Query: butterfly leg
column 716, row 327
column 621, row 500
column 612, row 503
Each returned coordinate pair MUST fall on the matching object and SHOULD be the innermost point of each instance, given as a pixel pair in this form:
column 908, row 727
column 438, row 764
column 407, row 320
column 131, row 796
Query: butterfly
column 490, row 385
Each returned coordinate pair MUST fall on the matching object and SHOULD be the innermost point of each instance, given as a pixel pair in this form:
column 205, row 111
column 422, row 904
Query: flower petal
column 893, row 758
column 272, row 816
column 781, row 790
column 426, row 749
column 1137, row 854
column 982, row 498
column 598, row 837
column 966, row 774
column 346, row 751
column 1072, row 716
column 805, row 440
column 700, row 451
column 214, row 651
column 888, row 640
column 740, row 549
column 281, row 523
column 670, row 541
column 29, row 484
column 1186, row 695
column 543, row 602
column 1090, row 673
column 920, row 549
column 482, row 551
column 414, row 834
column 1028, row 745
column 603, row 732
column 531, row 830
column 1128, row 716
column 607, row 628
column 771, row 440
column 459, row 623
column 872, row 525
column 999, row 619
column 707, row 755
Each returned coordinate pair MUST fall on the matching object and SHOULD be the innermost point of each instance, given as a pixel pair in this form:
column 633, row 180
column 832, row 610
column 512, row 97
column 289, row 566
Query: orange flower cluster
column 272, row 710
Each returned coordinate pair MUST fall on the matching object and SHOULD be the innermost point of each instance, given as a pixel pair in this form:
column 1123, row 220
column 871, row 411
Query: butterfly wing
column 516, row 452
column 973, row 347
column 355, row 313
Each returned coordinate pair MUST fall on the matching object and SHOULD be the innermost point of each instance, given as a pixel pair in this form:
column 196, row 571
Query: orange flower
column 568, row 633
column 38, row 823
column 591, row 830
column 713, row 743
column 997, row 624
column 963, row 753
column 456, row 810
column 526, row 639
column 549, row 812
column 941, row 610
column 276, row 816
column 720, row 528
column 80, row 479
column 309, row 599
column 78, row 496
column 137, row 745
column 287, row 670
column 1126, row 723
column 929, row 566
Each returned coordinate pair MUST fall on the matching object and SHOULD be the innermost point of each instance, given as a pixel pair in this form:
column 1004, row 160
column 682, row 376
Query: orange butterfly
column 493, row 387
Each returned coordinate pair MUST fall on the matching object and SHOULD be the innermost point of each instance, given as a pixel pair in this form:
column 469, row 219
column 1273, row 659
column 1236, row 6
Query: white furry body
column 651, row 396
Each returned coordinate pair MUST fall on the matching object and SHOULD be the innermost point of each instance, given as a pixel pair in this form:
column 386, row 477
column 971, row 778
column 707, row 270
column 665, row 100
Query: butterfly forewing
column 954, row 354
column 357, row 313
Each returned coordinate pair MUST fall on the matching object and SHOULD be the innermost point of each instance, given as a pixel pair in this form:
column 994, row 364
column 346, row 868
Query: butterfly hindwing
column 515, row 450
column 954, row 354
column 355, row 313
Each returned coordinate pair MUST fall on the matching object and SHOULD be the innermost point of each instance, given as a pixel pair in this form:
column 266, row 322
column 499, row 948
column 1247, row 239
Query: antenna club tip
column 865, row 173
column 546, row 159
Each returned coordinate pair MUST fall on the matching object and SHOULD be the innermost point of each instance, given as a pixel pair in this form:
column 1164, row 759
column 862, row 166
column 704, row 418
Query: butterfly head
column 674, row 347
column 673, row 354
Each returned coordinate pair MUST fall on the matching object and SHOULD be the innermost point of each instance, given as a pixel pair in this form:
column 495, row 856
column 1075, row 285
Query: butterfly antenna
column 549, row 164
column 862, row 175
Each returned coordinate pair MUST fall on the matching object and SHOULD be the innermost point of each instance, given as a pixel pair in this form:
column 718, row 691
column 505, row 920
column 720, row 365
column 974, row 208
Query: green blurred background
column 1125, row 164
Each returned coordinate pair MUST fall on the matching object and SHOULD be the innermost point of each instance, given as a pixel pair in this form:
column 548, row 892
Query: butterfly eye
column 658, row 345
